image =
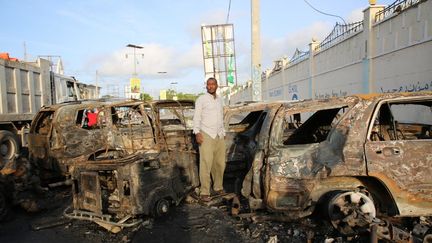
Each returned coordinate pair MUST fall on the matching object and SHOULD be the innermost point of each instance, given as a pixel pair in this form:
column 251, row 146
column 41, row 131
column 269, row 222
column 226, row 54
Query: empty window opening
column 403, row 121
column 88, row 118
column 314, row 129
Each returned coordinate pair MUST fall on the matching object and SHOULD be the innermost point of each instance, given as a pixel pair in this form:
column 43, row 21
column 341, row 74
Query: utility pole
column 256, row 51
column 97, row 91
column 25, row 51
column 134, row 55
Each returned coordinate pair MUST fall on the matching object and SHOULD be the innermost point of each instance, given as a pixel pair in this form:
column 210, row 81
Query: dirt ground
column 188, row 222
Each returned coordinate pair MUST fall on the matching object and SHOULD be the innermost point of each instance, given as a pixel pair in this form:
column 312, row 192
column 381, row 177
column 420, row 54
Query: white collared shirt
column 208, row 116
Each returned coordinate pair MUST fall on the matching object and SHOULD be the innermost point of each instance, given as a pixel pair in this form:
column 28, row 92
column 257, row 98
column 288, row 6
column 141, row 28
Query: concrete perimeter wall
column 389, row 51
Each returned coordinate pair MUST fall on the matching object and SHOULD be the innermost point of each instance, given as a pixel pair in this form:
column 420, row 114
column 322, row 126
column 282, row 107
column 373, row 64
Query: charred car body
column 59, row 134
column 116, row 186
column 356, row 157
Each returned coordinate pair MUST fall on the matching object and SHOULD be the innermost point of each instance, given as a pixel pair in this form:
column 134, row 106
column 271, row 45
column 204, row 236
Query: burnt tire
column 9, row 146
column 351, row 212
column 161, row 208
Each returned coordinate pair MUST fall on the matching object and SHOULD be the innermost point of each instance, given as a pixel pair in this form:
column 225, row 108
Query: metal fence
column 395, row 8
column 339, row 33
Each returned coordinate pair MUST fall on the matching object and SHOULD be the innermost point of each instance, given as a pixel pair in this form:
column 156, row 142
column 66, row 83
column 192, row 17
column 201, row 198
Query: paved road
column 186, row 223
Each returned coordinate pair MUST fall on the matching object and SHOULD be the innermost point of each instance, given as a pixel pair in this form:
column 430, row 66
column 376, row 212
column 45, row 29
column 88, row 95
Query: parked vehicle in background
column 65, row 132
column 356, row 157
column 24, row 88
column 118, row 185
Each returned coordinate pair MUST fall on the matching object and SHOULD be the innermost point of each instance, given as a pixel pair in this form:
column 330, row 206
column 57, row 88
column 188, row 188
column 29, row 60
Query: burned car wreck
column 116, row 187
column 63, row 133
column 353, row 158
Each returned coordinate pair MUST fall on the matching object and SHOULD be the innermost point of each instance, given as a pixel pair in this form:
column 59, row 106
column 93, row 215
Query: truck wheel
column 9, row 146
column 161, row 207
column 351, row 212
column 4, row 207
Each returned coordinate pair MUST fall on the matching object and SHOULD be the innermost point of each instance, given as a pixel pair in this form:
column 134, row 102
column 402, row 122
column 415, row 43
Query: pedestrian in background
column 209, row 130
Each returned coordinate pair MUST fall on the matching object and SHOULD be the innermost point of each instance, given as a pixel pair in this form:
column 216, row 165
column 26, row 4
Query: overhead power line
column 321, row 12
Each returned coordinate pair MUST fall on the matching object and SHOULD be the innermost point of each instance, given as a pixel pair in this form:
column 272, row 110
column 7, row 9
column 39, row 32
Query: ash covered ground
column 188, row 222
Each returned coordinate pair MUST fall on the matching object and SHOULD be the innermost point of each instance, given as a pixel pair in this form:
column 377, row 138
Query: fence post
column 314, row 43
column 369, row 47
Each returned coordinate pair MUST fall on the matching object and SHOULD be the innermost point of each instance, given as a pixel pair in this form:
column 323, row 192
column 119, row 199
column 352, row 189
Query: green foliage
column 145, row 97
column 180, row 95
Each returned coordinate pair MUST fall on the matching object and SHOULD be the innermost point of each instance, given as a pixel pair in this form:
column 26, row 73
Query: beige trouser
column 212, row 162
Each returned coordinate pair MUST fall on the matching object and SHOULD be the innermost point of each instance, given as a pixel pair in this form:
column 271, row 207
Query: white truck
column 24, row 88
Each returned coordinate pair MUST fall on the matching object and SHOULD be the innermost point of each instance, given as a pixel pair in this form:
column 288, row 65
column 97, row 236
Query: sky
column 91, row 36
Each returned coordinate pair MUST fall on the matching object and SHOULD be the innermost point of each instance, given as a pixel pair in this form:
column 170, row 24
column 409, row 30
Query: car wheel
column 9, row 146
column 351, row 212
column 162, row 207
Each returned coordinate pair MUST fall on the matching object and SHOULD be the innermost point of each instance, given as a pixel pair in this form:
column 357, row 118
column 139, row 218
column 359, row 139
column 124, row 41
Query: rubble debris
column 60, row 183
column 273, row 239
column 218, row 199
column 108, row 226
column 235, row 206
column 51, row 223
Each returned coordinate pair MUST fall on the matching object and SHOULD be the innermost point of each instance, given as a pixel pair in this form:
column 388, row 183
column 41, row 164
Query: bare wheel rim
column 351, row 211
column 162, row 207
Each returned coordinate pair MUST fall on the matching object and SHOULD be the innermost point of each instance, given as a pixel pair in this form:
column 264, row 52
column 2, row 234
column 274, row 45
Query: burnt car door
column 299, row 133
column 39, row 137
column 174, row 119
column 243, row 126
column 399, row 152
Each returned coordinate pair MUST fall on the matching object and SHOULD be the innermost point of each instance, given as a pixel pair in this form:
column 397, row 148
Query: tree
column 180, row 95
column 184, row 96
column 145, row 97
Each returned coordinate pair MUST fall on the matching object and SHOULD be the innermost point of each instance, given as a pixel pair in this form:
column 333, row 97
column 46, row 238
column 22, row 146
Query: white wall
column 389, row 54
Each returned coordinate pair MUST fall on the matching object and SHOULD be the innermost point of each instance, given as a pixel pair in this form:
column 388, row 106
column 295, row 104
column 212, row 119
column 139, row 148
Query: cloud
column 355, row 15
column 180, row 62
column 276, row 48
column 150, row 60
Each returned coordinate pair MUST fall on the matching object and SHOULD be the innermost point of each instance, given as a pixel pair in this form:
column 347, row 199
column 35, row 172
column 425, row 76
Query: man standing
column 210, row 135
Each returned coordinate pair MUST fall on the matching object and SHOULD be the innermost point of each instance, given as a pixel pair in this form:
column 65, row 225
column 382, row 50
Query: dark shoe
column 205, row 198
column 220, row 192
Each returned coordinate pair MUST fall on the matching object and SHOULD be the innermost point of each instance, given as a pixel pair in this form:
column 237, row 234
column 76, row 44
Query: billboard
column 163, row 94
column 135, row 84
column 219, row 53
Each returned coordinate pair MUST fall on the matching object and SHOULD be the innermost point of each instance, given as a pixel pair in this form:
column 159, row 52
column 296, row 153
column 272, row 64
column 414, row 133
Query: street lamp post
column 134, row 54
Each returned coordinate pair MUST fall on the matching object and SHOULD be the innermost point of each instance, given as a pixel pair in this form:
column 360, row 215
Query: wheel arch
column 376, row 188
column 155, row 195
